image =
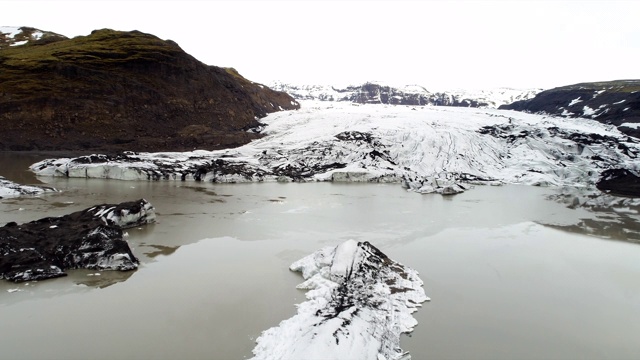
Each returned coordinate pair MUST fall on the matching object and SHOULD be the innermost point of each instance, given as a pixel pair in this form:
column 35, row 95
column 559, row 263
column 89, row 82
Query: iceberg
column 89, row 239
column 358, row 304
column 11, row 189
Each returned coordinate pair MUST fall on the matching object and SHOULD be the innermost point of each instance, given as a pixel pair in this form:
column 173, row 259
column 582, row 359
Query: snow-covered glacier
column 425, row 148
column 358, row 304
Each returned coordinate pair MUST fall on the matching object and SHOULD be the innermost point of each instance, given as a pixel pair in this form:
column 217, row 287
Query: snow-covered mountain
column 21, row 35
column 425, row 148
column 611, row 102
column 377, row 93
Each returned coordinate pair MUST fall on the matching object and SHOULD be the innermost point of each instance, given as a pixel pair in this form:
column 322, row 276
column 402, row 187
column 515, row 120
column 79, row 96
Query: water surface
column 511, row 274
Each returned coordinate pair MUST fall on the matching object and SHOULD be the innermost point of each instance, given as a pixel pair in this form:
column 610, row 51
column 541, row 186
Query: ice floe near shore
column 427, row 149
column 358, row 304
column 11, row 189
column 89, row 239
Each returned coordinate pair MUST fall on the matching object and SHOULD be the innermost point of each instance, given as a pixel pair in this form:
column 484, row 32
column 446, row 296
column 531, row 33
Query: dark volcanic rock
column 611, row 102
column 116, row 90
column 619, row 182
column 90, row 239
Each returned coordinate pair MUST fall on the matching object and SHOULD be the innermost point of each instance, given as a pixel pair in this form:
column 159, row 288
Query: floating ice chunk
column 126, row 215
column 12, row 189
column 359, row 303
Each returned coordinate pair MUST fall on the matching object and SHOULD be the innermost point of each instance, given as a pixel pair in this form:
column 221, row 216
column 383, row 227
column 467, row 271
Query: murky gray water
column 506, row 281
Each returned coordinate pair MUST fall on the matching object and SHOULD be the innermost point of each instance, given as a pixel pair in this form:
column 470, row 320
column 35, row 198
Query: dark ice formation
column 89, row 239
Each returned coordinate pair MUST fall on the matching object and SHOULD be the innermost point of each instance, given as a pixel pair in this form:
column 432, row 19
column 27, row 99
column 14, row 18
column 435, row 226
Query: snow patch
column 18, row 43
column 10, row 31
column 575, row 101
column 587, row 111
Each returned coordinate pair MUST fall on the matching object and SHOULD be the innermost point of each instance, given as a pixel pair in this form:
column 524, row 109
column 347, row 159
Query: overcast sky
column 437, row 44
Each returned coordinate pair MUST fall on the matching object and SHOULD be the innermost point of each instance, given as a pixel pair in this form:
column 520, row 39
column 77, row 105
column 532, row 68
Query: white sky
column 437, row 44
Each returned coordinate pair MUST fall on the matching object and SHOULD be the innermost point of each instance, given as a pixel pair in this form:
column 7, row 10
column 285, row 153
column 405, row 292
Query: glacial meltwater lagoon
column 511, row 273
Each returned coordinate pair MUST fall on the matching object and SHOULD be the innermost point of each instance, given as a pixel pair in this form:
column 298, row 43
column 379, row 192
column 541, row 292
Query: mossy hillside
column 126, row 88
column 81, row 62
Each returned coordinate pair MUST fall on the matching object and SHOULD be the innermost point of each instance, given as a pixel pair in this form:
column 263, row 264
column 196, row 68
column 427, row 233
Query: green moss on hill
column 124, row 90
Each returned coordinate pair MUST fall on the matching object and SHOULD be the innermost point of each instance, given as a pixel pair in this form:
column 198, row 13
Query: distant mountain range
column 616, row 103
column 376, row 93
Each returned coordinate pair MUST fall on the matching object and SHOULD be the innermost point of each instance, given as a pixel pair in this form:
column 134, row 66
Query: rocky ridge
column 610, row 102
column 114, row 90
column 375, row 93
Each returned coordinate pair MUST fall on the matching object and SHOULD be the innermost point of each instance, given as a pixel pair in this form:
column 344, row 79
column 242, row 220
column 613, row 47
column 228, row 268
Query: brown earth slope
column 116, row 90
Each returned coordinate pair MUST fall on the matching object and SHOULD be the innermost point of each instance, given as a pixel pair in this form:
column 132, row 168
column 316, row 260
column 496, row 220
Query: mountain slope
column 116, row 90
column 610, row 102
column 16, row 36
column 374, row 93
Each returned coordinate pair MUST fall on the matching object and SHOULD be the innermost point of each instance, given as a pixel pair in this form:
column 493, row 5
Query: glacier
column 427, row 149
column 358, row 304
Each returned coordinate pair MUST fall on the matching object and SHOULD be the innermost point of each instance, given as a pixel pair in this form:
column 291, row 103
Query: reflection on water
column 610, row 217
column 623, row 228
column 511, row 273
column 160, row 250
column 100, row 279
